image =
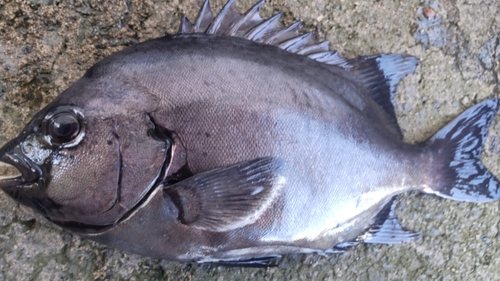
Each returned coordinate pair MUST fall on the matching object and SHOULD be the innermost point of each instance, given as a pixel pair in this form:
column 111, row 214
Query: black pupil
column 64, row 127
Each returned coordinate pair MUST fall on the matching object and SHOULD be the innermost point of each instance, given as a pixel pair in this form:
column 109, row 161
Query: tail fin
column 458, row 147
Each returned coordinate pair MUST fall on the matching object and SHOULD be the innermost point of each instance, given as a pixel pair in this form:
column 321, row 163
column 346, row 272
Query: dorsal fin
column 379, row 74
column 251, row 26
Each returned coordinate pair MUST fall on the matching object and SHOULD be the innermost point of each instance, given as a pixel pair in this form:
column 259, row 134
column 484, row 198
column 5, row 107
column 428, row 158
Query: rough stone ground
column 45, row 45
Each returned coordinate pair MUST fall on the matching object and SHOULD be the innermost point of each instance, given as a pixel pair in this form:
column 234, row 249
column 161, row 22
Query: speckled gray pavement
column 45, row 45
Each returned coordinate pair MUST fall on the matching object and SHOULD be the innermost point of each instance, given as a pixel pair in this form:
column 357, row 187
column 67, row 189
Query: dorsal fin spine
column 264, row 28
column 298, row 43
column 186, row 26
column 226, row 12
column 316, row 48
column 205, row 17
column 248, row 17
column 285, row 34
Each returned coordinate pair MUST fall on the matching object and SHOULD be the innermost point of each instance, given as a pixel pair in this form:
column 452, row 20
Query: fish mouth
column 10, row 175
column 12, row 161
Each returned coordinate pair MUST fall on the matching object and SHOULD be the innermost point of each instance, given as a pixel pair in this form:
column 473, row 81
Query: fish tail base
column 457, row 148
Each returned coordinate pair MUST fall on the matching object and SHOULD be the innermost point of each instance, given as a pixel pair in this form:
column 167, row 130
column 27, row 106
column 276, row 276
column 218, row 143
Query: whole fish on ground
column 238, row 140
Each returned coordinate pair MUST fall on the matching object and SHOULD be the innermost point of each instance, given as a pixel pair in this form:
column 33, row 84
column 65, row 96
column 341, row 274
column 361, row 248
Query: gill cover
column 82, row 169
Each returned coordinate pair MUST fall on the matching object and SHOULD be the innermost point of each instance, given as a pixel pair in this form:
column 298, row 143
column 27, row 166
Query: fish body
column 243, row 142
column 308, row 128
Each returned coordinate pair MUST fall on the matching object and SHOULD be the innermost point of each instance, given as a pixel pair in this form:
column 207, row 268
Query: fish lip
column 30, row 172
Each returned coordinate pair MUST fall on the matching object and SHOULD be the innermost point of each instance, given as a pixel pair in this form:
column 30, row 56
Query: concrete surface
column 45, row 45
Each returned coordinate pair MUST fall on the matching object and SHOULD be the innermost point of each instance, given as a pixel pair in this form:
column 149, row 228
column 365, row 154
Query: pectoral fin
column 228, row 198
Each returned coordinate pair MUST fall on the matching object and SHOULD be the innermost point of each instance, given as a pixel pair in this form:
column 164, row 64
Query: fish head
column 90, row 156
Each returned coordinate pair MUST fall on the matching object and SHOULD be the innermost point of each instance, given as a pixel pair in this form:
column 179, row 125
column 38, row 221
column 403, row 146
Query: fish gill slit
column 163, row 134
column 120, row 174
column 157, row 182
column 158, row 132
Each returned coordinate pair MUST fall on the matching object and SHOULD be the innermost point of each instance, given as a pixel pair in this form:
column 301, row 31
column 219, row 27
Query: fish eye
column 64, row 127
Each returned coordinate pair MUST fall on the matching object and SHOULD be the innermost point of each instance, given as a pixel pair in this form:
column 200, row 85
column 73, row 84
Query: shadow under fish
column 235, row 141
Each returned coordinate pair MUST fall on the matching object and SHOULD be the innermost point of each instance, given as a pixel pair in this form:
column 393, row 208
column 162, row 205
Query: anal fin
column 262, row 262
column 387, row 229
column 342, row 247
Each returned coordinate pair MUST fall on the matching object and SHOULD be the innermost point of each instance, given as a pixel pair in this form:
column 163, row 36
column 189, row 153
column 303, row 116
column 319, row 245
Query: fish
column 238, row 140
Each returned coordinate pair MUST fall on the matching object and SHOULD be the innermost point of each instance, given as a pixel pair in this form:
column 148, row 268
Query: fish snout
column 10, row 176
column 16, row 170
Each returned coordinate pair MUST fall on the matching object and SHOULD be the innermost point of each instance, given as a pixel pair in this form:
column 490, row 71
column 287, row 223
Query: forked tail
column 460, row 174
